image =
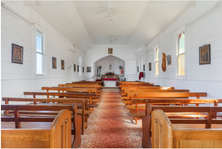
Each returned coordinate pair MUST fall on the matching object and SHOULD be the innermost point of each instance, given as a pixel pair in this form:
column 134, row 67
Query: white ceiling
column 133, row 23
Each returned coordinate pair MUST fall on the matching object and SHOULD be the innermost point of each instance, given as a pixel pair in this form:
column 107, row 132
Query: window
column 157, row 61
column 39, row 53
column 181, row 54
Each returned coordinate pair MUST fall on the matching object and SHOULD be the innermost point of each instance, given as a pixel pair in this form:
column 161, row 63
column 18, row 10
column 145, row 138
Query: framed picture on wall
column 82, row 69
column 110, row 50
column 74, row 67
column 54, row 66
column 88, row 69
column 168, row 59
column 150, row 67
column 17, row 54
column 204, row 55
column 77, row 68
column 62, row 64
column 138, row 69
column 144, row 67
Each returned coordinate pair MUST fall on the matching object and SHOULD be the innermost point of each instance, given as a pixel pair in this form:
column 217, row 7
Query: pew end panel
column 61, row 130
column 161, row 130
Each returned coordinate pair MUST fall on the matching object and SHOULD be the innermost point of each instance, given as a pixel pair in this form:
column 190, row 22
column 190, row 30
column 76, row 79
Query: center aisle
column 111, row 126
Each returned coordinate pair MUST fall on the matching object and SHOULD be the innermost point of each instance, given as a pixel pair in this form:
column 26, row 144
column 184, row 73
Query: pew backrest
column 80, row 85
column 154, row 90
column 89, row 90
column 167, row 95
column 145, row 87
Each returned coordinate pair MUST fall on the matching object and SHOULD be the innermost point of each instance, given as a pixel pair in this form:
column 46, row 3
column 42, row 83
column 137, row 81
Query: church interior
column 111, row 74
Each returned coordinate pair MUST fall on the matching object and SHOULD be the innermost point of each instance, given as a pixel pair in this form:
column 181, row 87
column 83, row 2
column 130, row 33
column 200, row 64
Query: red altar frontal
column 110, row 82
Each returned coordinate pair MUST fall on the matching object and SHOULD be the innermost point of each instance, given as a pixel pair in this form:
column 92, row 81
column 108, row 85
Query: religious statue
column 164, row 62
column 121, row 71
column 99, row 70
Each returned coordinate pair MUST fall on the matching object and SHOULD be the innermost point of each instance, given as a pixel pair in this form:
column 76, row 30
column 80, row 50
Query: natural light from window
column 39, row 53
column 157, row 61
column 181, row 54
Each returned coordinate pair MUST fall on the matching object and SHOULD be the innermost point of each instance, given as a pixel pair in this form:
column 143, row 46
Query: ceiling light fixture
column 110, row 20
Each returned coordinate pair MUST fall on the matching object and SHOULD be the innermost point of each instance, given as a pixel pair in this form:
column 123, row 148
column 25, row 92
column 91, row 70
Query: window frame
column 41, row 31
column 155, row 61
column 176, row 40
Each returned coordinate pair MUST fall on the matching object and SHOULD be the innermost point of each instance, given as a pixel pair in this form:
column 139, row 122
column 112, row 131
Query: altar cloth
column 110, row 82
column 109, row 79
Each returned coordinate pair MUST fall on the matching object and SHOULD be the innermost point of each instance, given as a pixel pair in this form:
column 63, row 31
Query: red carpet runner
column 111, row 125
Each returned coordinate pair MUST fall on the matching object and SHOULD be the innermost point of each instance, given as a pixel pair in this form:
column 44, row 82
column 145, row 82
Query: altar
column 110, row 79
column 109, row 82
column 110, row 75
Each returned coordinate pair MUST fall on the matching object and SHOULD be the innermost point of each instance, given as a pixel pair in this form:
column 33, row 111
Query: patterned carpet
column 111, row 125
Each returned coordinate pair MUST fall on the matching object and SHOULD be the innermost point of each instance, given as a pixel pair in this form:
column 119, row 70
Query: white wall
column 17, row 78
column 207, row 30
column 99, row 51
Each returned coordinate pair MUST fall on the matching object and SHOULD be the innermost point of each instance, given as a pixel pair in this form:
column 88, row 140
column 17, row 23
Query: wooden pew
column 130, row 82
column 165, row 135
column 161, row 95
column 58, row 136
column 154, row 90
column 98, row 87
column 70, row 89
column 122, row 90
column 88, row 82
column 43, row 115
column 84, row 113
column 136, row 85
column 131, row 106
column 89, row 96
column 81, row 85
column 172, row 112
column 164, row 94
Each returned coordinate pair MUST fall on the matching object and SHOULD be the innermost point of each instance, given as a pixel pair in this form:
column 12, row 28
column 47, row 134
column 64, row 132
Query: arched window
column 156, row 55
column 181, row 54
